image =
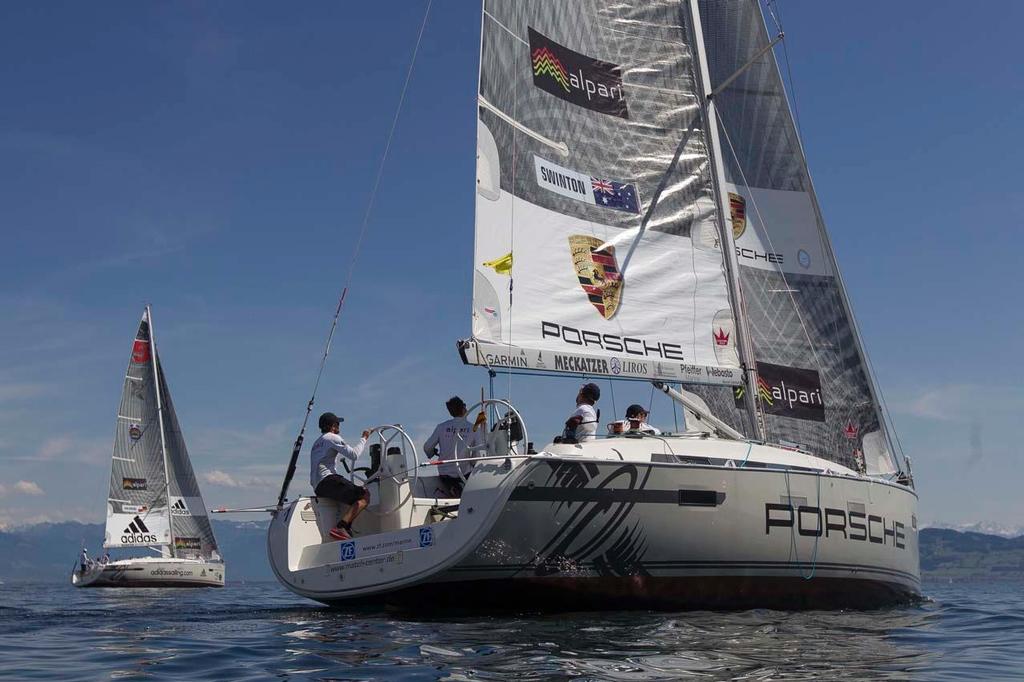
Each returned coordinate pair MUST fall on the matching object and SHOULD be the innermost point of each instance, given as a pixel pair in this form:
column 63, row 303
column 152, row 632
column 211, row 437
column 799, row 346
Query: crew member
column 582, row 424
column 326, row 480
column 636, row 420
column 452, row 439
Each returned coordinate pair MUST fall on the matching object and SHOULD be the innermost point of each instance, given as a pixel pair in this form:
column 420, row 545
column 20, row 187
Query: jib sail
column 814, row 387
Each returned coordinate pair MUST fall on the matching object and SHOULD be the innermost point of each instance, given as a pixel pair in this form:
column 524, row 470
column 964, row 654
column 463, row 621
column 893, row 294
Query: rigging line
column 675, row 416
column 355, row 255
column 615, row 410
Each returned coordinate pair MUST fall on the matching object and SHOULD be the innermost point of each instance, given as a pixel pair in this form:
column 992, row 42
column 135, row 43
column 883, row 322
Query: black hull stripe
column 624, row 495
column 644, row 592
column 802, row 566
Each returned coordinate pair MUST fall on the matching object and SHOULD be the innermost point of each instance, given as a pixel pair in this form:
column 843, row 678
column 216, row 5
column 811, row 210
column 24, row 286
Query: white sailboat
column 640, row 180
column 154, row 500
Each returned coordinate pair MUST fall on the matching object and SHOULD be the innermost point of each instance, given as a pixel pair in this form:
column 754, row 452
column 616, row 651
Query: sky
column 215, row 160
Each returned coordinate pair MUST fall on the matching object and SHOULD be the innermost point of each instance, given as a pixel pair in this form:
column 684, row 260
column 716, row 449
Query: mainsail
column 137, row 512
column 814, row 386
column 597, row 244
column 154, row 497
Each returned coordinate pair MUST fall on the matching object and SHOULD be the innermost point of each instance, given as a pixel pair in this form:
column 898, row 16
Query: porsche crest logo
column 738, row 214
column 598, row 272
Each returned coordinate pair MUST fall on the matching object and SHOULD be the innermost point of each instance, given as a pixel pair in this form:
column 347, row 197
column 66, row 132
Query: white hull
column 667, row 523
column 151, row 572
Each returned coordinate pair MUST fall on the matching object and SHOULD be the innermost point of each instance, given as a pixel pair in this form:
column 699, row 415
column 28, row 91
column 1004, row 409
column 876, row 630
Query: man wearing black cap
column 324, row 476
column 452, row 439
column 582, row 424
column 636, row 420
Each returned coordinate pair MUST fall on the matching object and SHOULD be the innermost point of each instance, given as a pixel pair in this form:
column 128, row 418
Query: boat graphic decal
column 617, row 548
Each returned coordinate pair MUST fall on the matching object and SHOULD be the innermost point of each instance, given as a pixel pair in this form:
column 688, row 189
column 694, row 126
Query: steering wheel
column 388, row 434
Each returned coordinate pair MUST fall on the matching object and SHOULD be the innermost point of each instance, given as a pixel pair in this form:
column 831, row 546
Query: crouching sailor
column 324, row 475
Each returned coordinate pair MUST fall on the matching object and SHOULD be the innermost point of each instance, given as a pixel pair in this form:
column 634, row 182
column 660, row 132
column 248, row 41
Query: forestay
column 137, row 511
column 815, row 390
column 587, row 112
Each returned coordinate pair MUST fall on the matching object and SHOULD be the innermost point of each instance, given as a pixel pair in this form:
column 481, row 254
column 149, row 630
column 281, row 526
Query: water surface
column 972, row 630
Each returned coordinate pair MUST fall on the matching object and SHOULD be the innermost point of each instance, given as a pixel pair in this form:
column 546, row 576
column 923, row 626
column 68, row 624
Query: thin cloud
column 28, row 488
column 21, row 488
column 226, row 480
column 964, row 402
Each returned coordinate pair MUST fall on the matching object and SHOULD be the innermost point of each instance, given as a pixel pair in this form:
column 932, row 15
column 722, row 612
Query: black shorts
column 339, row 488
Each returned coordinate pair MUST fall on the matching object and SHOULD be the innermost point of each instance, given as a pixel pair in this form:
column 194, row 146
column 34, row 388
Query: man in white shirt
column 326, row 480
column 582, row 423
column 451, row 440
column 636, row 420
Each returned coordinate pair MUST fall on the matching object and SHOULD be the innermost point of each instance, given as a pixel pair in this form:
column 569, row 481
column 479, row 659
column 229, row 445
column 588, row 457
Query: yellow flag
column 503, row 265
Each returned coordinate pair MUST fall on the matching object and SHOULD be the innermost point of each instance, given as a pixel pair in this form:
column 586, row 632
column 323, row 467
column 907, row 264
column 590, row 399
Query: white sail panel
column 597, row 248
column 137, row 499
column 793, row 244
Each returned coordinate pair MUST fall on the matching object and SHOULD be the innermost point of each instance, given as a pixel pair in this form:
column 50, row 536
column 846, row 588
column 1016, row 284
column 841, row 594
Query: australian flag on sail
column 617, row 195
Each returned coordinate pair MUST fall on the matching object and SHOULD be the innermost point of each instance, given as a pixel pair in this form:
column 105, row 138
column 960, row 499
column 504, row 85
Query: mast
column 743, row 344
column 160, row 420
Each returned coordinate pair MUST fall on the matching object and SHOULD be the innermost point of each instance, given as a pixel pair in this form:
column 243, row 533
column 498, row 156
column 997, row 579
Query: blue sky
column 214, row 159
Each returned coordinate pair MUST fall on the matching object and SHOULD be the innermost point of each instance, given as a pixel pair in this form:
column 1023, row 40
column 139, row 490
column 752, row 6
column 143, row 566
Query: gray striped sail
column 193, row 534
column 137, row 509
column 814, row 387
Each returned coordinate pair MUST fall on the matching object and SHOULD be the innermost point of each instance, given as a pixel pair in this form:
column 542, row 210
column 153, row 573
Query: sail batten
column 602, row 258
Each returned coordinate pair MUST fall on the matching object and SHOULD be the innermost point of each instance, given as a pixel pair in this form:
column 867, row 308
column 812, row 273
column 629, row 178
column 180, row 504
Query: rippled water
column 972, row 630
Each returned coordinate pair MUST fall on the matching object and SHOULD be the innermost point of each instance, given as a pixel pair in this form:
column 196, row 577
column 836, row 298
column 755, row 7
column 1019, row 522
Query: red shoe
column 339, row 534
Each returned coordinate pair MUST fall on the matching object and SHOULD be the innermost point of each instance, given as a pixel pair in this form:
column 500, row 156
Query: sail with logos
column 814, row 386
column 153, row 499
column 596, row 241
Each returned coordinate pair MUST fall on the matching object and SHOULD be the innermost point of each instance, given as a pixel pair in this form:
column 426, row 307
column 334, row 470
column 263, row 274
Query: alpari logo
column 790, row 392
column 179, row 508
column 577, row 78
column 546, row 63
column 137, row 534
column 721, row 337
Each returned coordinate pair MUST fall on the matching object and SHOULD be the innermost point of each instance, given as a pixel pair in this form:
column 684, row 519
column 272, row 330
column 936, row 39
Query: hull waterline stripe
column 697, row 565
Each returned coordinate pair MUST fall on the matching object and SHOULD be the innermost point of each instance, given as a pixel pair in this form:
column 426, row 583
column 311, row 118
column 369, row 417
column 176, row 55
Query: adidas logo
column 137, row 533
column 179, row 508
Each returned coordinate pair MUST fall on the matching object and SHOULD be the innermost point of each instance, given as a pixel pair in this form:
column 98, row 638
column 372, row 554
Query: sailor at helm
column 582, row 423
column 453, row 439
column 326, row 480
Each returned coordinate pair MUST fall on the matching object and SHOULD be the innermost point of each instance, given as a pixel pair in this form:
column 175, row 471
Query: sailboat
column 644, row 211
column 154, row 500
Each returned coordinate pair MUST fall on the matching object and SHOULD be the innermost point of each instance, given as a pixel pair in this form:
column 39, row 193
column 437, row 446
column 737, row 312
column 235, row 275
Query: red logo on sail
column 140, row 351
column 721, row 337
column 851, row 430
